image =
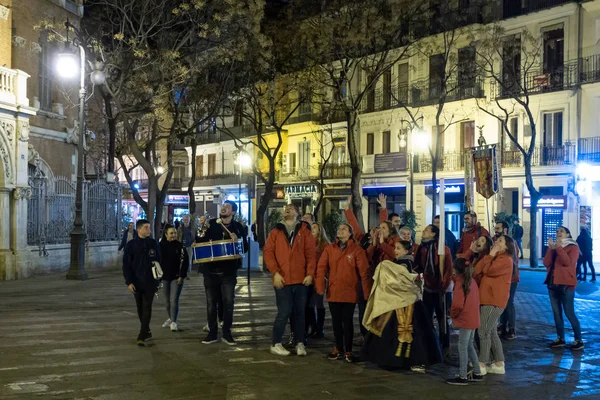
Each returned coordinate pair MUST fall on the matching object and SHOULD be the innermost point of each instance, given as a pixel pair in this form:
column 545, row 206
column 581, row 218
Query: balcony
column 423, row 93
column 537, row 82
column 514, row 8
column 450, row 161
column 590, row 67
column 217, row 179
column 13, row 87
column 542, row 156
column 589, row 149
column 332, row 117
column 336, row 171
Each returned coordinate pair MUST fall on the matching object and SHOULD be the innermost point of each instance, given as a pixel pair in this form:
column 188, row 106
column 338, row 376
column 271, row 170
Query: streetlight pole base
column 77, row 269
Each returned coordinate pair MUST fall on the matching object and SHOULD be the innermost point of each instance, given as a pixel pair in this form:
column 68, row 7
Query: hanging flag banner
column 486, row 170
column 469, row 189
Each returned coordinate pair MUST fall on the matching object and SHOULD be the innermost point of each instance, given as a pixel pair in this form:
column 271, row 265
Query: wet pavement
column 76, row 340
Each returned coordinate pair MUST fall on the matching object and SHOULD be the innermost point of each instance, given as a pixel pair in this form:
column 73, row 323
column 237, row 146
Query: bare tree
column 510, row 62
column 324, row 139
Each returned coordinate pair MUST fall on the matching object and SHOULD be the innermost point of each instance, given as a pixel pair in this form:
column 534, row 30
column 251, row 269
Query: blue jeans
column 467, row 352
column 508, row 317
column 220, row 287
column 290, row 297
column 520, row 244
column 172, row 291
column 563, row 299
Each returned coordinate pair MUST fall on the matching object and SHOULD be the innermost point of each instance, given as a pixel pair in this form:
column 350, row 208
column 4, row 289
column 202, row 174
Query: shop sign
column 177, row 198
column 198, row 197
column 301, row 190
column 450, row 189
column 390, row 162
column 547, row 202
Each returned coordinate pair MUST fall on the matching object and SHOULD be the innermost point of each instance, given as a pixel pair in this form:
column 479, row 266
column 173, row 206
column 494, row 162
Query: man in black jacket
column 137, row 271
column 518, row 236
column 220, row 277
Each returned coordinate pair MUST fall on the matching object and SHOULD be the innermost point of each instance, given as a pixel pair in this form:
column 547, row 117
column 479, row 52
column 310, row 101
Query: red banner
column 486, row 171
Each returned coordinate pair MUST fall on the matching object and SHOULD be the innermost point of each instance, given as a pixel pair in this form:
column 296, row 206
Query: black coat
column 137, row 263
column 217, row 232
column 517, row 232
column 175, row 260
column 124, row 238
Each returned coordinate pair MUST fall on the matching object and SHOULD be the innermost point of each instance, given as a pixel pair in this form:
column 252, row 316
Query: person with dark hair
column 220, row 277
column 465, row 316
column 427, row 262
column 471, row 231
column 139, row 255
column 401, row 333
column 345, row 265
column 308, row 218
column 585, row 243
column 405, row 234
column 382, row 243
column 128, row 235
column 290, row 256
column 394, row 218
column 449, row 237
column 495, row 273
column 517, row 234
column 506, row 328
column 561, row 262
column 174, row 266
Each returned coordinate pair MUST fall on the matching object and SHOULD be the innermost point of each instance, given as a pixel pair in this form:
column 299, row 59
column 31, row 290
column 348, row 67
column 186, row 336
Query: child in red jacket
column 465, row 316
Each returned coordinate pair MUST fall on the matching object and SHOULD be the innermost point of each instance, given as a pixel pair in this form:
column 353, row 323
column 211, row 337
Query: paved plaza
column 76, row 340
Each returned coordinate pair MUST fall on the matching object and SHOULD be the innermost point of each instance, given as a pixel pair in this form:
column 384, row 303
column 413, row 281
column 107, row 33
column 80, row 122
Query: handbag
column 157, row 271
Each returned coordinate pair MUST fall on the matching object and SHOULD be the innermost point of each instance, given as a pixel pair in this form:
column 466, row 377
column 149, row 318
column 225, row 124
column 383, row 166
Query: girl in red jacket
column 345, row 265
column 561, row 262
column 315, row 322
column 465, row 316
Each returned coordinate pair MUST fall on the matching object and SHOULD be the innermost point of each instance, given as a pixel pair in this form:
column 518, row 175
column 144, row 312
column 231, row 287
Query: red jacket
column 353, row 222
column 294, row 262
column 516, row 277
column 431, row 284
column 345, row 269
column 496, row 274
column 383, row 252
column 565, row 265
column 465, row 309
column 467, row 237
column 320, row 248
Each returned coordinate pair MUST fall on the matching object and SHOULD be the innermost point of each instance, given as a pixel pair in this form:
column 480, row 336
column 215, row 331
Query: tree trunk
column 356, row 168
column 265, row 199
column 152, row 197
column 190, row 189
column 535, row 197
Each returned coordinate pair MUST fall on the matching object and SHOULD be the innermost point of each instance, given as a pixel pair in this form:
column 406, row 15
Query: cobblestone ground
column 76, row 340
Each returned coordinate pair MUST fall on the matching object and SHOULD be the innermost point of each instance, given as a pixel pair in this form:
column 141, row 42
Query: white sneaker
column 206, row 328
column 167, row 323
column 173, row 326
column 279, row 350
column 483, row 369
column 300, row 349
column 495, row 369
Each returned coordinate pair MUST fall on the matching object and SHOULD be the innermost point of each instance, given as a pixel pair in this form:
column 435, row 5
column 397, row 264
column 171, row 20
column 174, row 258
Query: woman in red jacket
column 561, row 262
column 465, row 316
column 496, row 273
column 383, row 243
column 345, row 265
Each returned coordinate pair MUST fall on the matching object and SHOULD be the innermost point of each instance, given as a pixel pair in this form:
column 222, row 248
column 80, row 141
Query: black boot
column 319, row 331
column 310, row 320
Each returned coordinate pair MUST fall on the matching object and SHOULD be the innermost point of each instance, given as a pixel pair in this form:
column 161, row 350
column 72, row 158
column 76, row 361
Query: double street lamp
column 68, row 65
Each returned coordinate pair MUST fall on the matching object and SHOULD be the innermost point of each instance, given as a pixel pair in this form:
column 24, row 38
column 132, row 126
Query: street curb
column 540, row 269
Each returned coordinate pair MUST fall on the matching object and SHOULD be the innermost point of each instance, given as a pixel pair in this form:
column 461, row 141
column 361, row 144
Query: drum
column 217, row 250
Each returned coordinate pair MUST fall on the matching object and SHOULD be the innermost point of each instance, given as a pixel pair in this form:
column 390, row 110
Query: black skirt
column 424, row 349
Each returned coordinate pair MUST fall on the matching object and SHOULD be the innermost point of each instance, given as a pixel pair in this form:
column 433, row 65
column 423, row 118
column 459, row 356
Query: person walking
column 186, row 234
column 290, row 256
column 465, row 316
column 345, row 265
column 138, row 257
column 174, row 265
column 495, row 273
column 561, row 261
column 220, row 277
column 585, row 242
column 128, row 235
column 517, row 234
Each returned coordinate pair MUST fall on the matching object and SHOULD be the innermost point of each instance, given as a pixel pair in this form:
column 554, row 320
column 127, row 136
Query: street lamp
column 245, row 162
column 68, row 66
column 420, row 141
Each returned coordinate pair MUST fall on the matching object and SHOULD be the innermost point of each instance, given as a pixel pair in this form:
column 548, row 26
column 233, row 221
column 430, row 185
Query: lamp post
column 67, row 67
column 245, row 161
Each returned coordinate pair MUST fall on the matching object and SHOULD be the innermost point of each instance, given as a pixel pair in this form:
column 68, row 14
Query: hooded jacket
column 294, row 256
column 346, row 268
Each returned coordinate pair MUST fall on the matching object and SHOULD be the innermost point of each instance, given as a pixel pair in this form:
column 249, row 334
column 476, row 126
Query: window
column 437, row 70
column 467, row 134
column 370, row 143
column 386, row 148
column 554, row 55
column 434, row 135
column 553, row 129
column 387, row 89
column 304, row 158
column 513, row 127
column 466, row 68
column 238, row 113
column 199, row 166
column 45, row 73
column 292, row 163
column 371, row 96
column 511, row 66
column 403, row 83
column 212, row 164
column 339, row 155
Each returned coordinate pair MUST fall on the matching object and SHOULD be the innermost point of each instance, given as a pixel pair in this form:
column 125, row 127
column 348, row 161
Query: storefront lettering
column 301, row 190
column 547, row 202
column 173, row 198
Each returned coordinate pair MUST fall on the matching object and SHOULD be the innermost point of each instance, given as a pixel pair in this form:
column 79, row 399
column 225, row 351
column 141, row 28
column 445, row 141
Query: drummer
column 220, row 277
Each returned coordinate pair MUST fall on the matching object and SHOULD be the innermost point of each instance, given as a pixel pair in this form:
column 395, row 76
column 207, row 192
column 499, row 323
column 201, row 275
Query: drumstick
column 224, row 227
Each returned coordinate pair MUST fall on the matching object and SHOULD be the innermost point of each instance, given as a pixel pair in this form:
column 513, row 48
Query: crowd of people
column 400, row 287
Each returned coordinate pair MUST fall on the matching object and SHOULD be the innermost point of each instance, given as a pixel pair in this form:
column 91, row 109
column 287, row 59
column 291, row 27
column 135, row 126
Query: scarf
column 567, row 242
column 429, row 256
